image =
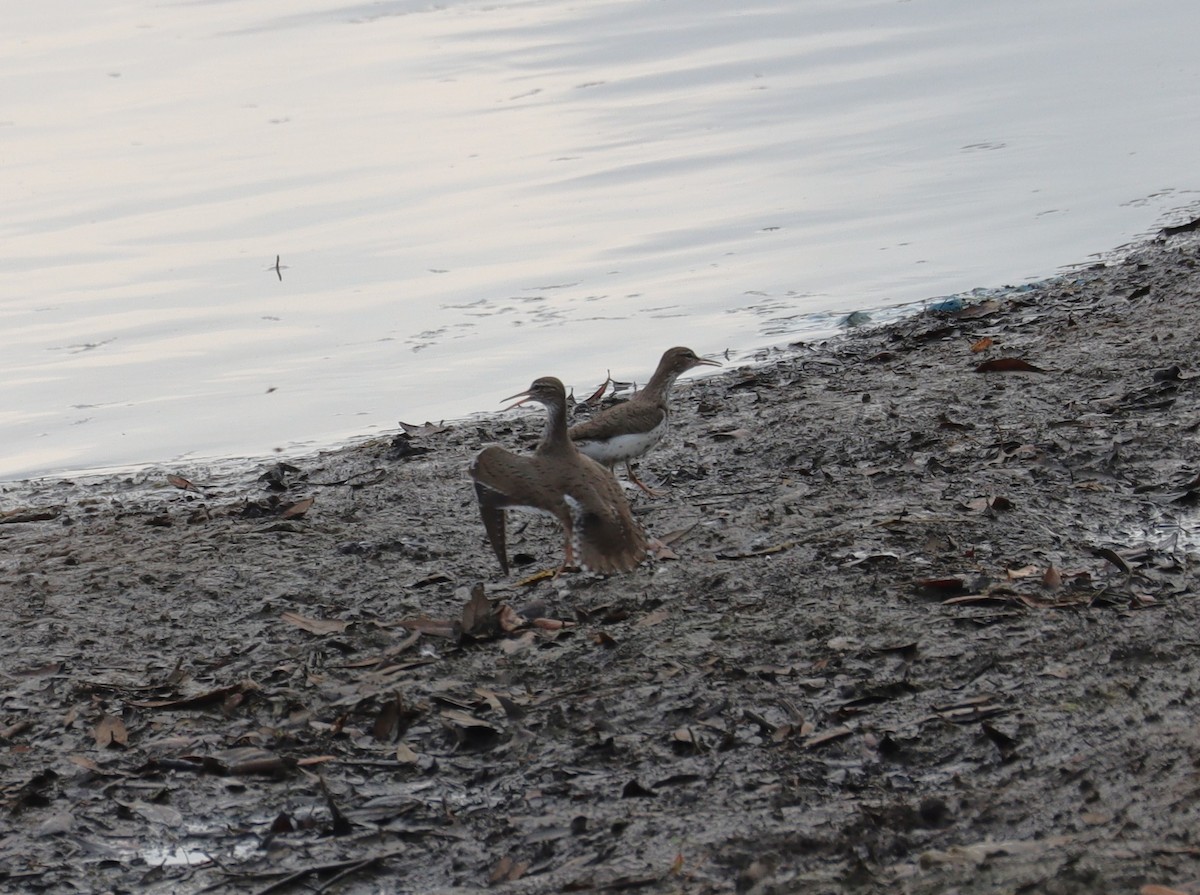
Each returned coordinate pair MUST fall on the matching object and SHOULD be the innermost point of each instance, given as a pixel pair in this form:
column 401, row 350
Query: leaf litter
column 941, row 639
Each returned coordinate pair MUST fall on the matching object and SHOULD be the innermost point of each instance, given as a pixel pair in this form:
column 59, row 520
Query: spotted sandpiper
column 599, row 529
column 630, row 429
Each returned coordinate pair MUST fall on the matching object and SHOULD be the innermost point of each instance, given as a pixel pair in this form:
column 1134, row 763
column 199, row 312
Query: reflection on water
column 468, row 195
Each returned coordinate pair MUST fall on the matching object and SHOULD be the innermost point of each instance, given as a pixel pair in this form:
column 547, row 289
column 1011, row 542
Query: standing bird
column 583, row 495
column 630, row 429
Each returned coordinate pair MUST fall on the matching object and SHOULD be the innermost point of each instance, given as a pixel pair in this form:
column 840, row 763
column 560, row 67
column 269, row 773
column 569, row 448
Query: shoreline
column 926, row 627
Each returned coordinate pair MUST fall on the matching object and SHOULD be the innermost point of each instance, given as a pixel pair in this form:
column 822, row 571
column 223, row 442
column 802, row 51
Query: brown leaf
column 25, row 514
column 595, row 397
column 507, row 871
column 298, row 509
column 435, row 578
column 478, row 620
column 180, row 482
column 728, row 433
column 434, row 627
column 758, row 551
column 828, row 736
column 982, row 345
column 942, row 585
column 110, row 731
column 1023, row 572
column 605, row 640
column 318, row 626
column 1154, row 889
column 1008, row 365
column 427, row 429
column 652, row 618
column 544, row 575
column 1052, row 578
column 1113, row 557
column 387, row 723
column 221, row 694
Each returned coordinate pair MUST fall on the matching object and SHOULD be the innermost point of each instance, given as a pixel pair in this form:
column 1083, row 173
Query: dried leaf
column 652, row 618
column 318, row 626
column 298, row 509
column 427, row 429
column 1113, row 557
column 435, row 578
column 1052, row 578
column 221, row 694
column 110, row 731
column 478, row 620
column 25, row 514
column 507, row 871
column 595, row 397
column 405, row 754
column 728, row 433
column 434, row 627
column 826, row 737
column 1023, row 572
column 758, row 551
column 544, row 575
column 1008, row 365
column 982, row 345
column 180, row 482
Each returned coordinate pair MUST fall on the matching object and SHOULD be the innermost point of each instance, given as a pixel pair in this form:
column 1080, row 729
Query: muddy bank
column 920, row 628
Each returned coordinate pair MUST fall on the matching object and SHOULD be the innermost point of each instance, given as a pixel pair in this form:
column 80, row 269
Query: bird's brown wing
column 497, row 474
column 607, row 538
column 629, row 417
column 491, row 510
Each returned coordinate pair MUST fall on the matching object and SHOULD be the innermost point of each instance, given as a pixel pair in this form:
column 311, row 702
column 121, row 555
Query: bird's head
column 547, row 391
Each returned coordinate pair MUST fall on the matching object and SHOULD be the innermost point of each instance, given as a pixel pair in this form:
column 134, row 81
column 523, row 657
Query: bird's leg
column 653, row 492
column 568, row 547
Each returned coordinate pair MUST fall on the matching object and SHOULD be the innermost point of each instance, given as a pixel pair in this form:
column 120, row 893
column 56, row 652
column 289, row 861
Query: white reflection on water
column 471, row 194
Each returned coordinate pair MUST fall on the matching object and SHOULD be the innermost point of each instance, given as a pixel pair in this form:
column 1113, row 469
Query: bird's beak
column 524, row 396
column 706, row 362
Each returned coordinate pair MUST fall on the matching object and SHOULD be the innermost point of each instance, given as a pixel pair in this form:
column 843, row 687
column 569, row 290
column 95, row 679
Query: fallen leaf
column 298, row 509
column 507, row 871
column 826, row 737
column 1023, row 572
column 758, row 551
column 25, row 514
column 180, row 482
column 221, row 694
column 405, row 754
column 544, row 575
column 982, row 345
column 1153, row 889
column 478, row 620
column 1008, row 365
column 652, row 618
column 1052, row 578
column 728, row 433
column 434, row 627
column 110, row 731
column 427, row 429
column 1113, row 557
column 318, row 626
column 595, row 397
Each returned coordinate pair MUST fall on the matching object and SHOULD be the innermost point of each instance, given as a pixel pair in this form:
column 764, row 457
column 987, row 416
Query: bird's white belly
column 622, row 447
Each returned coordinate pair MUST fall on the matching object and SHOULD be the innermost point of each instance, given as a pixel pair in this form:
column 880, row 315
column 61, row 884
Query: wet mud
column 915, row 626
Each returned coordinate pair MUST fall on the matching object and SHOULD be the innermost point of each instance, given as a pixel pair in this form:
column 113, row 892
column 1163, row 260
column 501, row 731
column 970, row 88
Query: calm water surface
column 466, row 195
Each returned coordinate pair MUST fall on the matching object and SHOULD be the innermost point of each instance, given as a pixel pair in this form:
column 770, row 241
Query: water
column 468, row 195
